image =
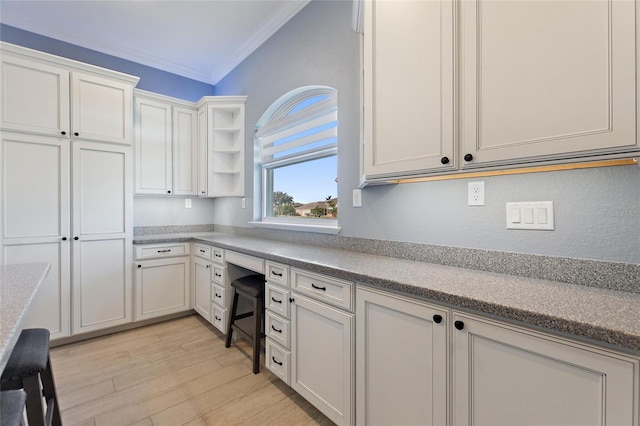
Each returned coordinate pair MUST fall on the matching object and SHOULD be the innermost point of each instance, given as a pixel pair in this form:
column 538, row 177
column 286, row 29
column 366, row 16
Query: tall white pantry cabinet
column 67, row 186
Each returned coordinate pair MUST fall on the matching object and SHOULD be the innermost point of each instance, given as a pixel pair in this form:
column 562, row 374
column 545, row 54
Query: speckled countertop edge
column 18, row 287
column 601, row 315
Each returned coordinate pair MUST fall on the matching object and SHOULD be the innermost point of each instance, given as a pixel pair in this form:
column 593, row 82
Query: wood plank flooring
column 173, row 373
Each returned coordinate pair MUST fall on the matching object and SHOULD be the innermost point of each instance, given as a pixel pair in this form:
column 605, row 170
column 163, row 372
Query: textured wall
column 597, row 211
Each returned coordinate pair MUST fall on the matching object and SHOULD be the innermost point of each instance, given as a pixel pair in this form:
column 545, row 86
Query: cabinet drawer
column 152, row 251
column 277, row 360
column 219, row 318
column 218, row 275
column 217, row 255
column 218, row 295
column 202, row 251
column 276, row 300
column 277, row 273
column 277, row 329
column 330, row 290
column 249, row 262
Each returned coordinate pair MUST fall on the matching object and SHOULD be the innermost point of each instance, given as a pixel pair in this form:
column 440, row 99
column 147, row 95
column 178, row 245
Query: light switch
column 515, row 215
column 530, row 215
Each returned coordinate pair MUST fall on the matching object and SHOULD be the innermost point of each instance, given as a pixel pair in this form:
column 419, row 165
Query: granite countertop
column 595, row 314
column 18, row 287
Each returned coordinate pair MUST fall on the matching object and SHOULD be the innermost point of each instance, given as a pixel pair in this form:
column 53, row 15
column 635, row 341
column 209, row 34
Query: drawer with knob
column 154, row 251
column 277, row 329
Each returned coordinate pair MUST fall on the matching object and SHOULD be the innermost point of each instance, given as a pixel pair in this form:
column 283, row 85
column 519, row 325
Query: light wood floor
column 173, row 373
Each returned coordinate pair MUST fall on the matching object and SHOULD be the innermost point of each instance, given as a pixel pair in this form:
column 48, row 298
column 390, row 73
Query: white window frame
column 275, row 120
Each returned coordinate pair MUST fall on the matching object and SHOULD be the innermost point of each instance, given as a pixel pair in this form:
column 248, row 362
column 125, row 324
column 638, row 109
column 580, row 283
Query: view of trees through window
column 298, row 155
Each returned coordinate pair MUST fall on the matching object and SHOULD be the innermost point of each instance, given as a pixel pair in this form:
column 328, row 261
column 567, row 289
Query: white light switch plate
column 530, row 215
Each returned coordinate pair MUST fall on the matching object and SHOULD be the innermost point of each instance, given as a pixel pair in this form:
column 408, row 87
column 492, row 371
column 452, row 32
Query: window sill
column 322, row 229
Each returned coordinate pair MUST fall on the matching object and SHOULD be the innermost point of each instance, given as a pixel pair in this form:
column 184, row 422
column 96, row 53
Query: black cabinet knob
column 468, row 157
column 291, row 300
column 168, row 192
column 444, row 160
column 63, row 132
column 64, row 238
column 139, row 266
column 76, row 238
column 458, row 325
column 76, row 134
column 437, row 319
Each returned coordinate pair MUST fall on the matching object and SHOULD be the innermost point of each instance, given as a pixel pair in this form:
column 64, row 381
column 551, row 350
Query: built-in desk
column 18, row 287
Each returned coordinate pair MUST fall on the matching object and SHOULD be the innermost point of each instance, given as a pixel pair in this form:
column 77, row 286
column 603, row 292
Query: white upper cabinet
column 408, row 80
column 35, row 97
column 93, row 99
column 165, row 145
column 185, row 151
column 153, row 147
column 459, row 84
column 221, row 146
column 544, row 79
column 54, row 96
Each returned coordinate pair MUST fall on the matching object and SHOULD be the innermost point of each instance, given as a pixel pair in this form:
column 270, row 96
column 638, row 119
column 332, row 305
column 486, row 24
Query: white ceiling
column 203, row 40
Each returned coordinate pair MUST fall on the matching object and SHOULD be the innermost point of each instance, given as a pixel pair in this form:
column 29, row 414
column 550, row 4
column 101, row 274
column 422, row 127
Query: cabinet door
column 401, row 361
column 162, row 287
column 185, row 151
column 153, row 147
column 102, row 109
column 102, row 229
column 408, row 86
column 202, row 152
column 35, row 219
column 547, row 79
column 322, row 353
column 504, row 375
column 202, row 282
column 35, row 97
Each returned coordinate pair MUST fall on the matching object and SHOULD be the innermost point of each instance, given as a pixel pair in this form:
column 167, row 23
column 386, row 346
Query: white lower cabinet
column 401, row 360
column 496, row 373
column 202, row 287
column 507, row 375
column 323, row 350
column 162, row 286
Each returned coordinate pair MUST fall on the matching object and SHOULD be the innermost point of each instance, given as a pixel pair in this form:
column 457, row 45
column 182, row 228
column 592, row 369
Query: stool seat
column 11, row 407
column 29, row 368
column 252, row 288
column 252, row 285
column 29, row 356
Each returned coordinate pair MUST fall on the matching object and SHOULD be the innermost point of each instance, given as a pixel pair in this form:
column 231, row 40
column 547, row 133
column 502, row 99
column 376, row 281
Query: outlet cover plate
column 475, row 194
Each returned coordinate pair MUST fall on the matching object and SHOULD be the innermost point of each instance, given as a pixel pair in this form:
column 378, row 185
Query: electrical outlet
column 475, row 195
column 357, row 198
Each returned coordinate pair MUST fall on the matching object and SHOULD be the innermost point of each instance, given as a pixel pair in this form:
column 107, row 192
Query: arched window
column 297, row 146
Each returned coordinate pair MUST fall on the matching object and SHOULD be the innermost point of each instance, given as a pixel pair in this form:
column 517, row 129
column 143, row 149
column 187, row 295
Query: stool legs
column 232, row 317
column 257, row 314
column 50, row 395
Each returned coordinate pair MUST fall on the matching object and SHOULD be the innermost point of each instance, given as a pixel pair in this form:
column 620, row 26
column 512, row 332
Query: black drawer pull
column 218, row 275
column 202, row 251
column 275, row 329
column 218, row 295
column 274, row 360
column 218, row 255
column 164, row 251
column 318, row 288
column 277, row 301
column 276, row 274
column 217, row 318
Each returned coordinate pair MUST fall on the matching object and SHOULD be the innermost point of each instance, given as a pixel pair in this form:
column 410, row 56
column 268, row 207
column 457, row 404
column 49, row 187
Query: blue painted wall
column 151, row 79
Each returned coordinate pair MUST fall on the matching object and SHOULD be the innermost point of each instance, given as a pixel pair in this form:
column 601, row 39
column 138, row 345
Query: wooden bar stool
column 11, row 407
column 252, row 288
column 28, row 365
